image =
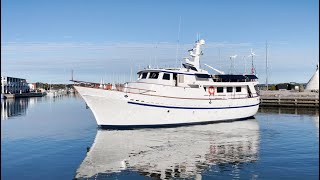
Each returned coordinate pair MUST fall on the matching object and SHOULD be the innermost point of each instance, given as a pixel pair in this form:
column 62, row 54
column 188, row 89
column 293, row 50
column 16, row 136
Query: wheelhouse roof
column 251, row 76
column 234, row 78
column 177, row 71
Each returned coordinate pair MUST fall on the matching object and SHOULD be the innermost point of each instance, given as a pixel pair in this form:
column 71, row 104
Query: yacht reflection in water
column 13, row 107
column 183, row 152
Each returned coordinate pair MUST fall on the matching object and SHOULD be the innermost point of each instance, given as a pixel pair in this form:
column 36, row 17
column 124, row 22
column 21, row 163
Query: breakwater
column 289, row 99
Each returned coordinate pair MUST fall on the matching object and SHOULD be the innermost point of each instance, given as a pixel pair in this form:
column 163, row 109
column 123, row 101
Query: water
column 48, row 138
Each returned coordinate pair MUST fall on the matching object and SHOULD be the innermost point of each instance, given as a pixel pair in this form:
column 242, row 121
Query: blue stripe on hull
column 129, row 127
column 177, row 107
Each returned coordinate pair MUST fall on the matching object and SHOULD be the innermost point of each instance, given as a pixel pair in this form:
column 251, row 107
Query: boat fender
column 211, row 90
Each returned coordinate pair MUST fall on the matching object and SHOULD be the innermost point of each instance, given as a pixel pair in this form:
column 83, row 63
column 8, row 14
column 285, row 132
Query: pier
column 24, row 95
column 289, row 99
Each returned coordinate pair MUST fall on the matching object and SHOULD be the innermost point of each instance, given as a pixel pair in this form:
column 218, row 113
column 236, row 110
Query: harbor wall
column 289, row 99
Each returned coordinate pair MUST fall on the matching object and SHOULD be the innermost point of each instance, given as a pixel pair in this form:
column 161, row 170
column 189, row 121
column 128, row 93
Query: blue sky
column 42, row 40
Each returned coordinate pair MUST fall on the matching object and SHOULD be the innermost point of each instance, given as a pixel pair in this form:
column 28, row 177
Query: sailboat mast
column 177, row 50
column 267, row 65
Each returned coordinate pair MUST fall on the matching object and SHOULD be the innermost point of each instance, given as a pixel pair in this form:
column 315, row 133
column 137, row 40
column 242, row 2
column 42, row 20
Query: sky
column 44, row 40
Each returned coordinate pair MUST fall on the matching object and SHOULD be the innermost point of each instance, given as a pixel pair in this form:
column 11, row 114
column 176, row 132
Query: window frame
column 166, row 74
column 146, row 75
column 218, row 91
column 237, row 88
column 151, row 73
column 228, row 88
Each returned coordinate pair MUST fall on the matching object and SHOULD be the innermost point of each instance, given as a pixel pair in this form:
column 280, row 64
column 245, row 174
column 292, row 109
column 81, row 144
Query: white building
column 32, row 86
column 13, row 85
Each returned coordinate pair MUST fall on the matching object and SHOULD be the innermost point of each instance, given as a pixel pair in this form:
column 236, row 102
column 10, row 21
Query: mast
column 267, row 65
column 245, row 64
column 196, row 52
column 178, row 43
column 252, row 68
column 219, row 58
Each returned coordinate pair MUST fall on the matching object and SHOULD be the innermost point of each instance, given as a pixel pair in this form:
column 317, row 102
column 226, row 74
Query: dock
column 289, row 99
column 24, row 95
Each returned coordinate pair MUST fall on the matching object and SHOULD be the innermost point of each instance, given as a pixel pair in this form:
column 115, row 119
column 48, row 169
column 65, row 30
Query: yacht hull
column 115, row 109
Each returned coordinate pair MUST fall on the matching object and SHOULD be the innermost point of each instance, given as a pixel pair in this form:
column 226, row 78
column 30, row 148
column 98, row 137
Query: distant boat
column 52, row 93
column 174, row 96
column 71, row 90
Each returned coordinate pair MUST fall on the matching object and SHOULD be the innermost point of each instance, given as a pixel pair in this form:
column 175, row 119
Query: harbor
column 159, row 90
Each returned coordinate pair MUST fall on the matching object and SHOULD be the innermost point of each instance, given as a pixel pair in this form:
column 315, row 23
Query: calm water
column 48, row 138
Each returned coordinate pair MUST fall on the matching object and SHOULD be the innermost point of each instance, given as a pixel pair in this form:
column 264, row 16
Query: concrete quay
column 289, row 99
column 24, row 95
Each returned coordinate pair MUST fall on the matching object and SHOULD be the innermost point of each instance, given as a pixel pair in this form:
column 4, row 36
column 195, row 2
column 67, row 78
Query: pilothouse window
column 144, row 75
column 229, row 89
column 166, row 76
column 154, row 75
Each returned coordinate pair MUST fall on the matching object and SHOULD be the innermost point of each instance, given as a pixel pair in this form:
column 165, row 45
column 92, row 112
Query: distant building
column 13, row 85
column 32, row 86
column 283, row 86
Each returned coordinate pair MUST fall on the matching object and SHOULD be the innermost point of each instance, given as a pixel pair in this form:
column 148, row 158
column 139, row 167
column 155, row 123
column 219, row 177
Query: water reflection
column 289, row 110
column 13, row 107
column 19, row 106
column 166, row 153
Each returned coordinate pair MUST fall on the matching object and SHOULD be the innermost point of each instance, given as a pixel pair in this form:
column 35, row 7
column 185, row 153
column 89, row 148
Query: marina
column 159, row 90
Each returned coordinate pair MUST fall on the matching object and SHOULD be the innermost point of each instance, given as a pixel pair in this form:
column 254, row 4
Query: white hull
column 113, row 108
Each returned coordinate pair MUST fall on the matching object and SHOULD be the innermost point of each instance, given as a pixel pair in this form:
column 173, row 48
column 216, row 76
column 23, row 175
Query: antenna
column 155, row 56
column 71, row 74
column 178, row 43
column 218, row 71
column 253, row 71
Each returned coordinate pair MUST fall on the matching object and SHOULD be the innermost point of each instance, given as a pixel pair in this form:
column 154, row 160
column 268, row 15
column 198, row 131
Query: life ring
column 211, row 90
